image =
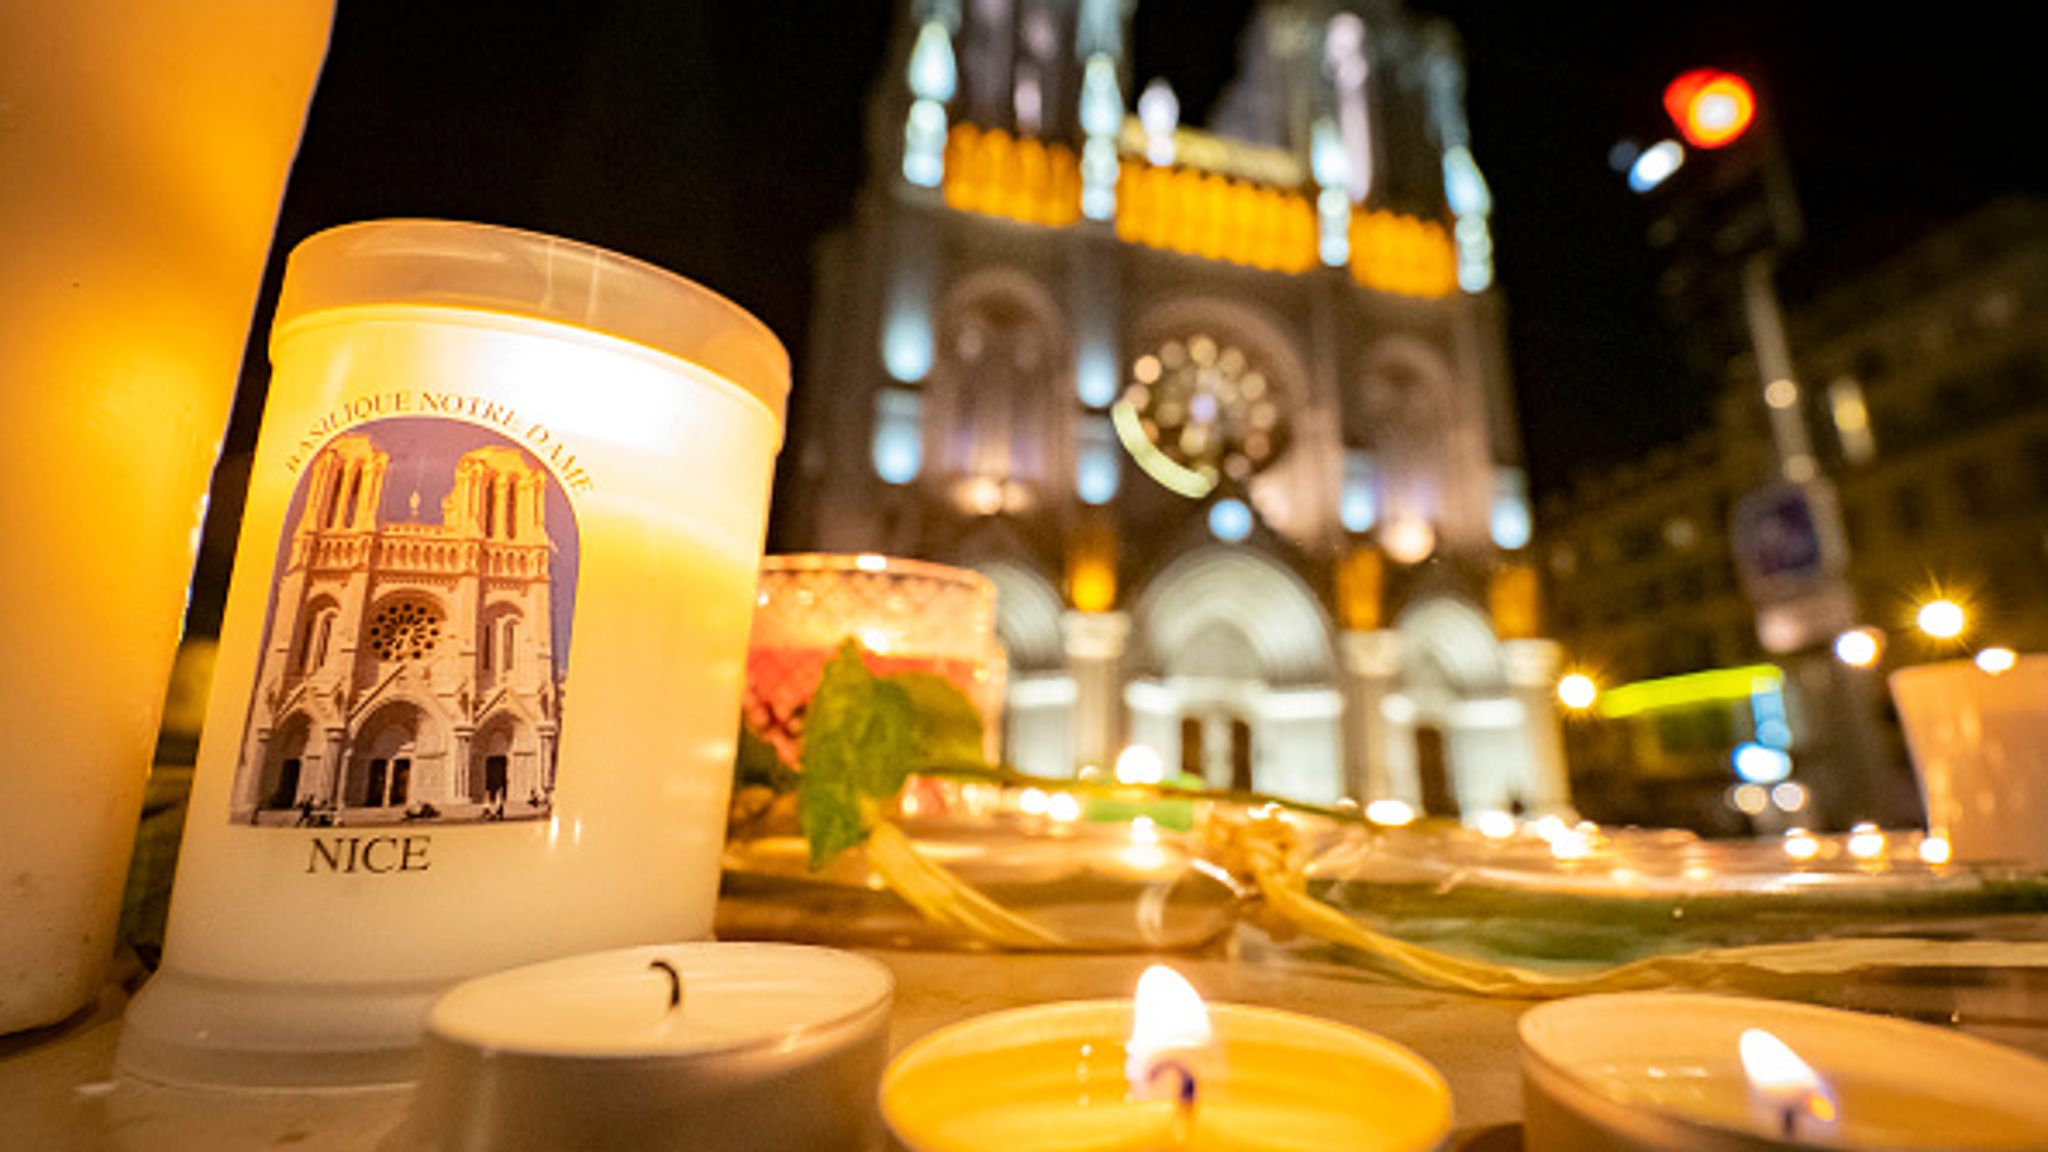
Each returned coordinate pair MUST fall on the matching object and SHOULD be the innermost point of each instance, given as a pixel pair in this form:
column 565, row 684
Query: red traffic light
column 1712, row 108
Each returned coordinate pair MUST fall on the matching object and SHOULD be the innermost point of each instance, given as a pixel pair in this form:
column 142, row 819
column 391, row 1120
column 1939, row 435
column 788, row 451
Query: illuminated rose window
column 1195, row 412
column 405, row 630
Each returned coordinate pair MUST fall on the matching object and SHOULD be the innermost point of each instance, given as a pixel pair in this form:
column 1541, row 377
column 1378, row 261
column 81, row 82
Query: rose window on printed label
column 405, row 630
column 1196, row 412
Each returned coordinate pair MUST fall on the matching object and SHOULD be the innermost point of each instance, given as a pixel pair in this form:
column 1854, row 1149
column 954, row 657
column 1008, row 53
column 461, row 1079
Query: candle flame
column 1139, row 764
column 1773, row 1066
column 1168, row 1021
column 1144, row 851
column 1063, row 807
column 1785, row 1086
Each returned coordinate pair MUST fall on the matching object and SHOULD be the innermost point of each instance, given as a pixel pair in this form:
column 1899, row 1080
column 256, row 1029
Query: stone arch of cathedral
column 1262, row 335
column 1000, row 382
column 497, row 642
column 284, row 762
column 398, row 756
column 1236, row 681
column 1457, row 733
column 494, row 759
column 316, row 640
column 1039, row 696
column 1272, row 349
column 1432, row 454
column 1027, row 616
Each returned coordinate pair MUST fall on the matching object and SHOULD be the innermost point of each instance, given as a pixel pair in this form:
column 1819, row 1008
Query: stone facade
column 1225, row 415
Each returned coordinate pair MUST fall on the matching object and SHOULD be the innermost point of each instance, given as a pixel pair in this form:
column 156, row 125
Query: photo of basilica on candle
column 412, row 668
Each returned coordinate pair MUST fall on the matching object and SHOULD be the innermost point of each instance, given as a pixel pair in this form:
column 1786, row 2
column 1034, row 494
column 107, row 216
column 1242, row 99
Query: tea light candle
column 1146, row 1074
column 710, row 1047
column 1701, row 1073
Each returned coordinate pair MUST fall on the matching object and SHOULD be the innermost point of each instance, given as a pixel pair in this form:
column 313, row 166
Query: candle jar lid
column 487, row 268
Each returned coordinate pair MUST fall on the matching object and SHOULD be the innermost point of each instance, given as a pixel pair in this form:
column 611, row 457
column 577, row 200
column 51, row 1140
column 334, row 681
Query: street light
column 1997, row 661
column 1859, row 647
column 1577, row 691
column 1942, row 619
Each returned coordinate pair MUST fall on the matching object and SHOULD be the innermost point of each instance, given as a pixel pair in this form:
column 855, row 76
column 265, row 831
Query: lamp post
column 1728, row 204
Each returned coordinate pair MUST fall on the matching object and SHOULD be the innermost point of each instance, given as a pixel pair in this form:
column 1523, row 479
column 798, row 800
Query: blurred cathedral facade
column 1224, row 413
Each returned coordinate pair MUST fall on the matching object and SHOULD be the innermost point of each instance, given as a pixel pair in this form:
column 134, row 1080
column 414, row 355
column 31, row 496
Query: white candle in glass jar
column 479, row 676
column 710, row 1047
column 145, row 149
column 1674, row 1071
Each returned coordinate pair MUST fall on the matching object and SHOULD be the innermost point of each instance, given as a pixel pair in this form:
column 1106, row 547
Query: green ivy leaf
column 830, row 816
column 948, row 723
column 859, row 734
column 759, row 765
column 863, row 736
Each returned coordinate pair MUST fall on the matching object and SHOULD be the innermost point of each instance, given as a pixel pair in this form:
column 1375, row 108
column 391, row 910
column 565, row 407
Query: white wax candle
column 1664, row 1071
column 1979, row 739
column 766, row 1046
column 144, row 149
column 479, row 675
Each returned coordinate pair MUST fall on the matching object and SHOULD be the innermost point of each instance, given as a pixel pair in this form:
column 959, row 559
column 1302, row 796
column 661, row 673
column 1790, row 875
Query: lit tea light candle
column 1163, row 1071
column 1866, row 841
column 1390, row 813
column 1700, row 1073
column 1145, row 856
column 711, row 1047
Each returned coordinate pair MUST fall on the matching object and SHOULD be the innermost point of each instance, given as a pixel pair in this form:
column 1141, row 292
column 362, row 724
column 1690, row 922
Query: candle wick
column 675, row 983
column 1184, row 1099
column 1788, row 1122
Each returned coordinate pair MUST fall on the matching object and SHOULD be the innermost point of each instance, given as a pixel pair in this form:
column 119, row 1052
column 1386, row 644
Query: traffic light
column 1733, row 197
column 1711, row 108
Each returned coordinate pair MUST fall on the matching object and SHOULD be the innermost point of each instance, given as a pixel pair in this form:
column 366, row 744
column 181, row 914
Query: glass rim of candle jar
column 1561, row 1044
column 446, row 1021
column 877, row 564
column 492, row 269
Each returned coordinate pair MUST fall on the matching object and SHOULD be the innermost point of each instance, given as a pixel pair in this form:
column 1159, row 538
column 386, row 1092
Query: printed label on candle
column 416, row 640
column 373, row 854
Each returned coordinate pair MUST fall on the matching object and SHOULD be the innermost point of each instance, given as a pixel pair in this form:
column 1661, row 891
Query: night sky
column 720, row 140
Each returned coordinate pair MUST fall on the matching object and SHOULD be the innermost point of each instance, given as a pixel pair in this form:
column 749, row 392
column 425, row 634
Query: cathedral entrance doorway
column 283, row 765
column 1470, row 737
column 490, row 763
column 380, row 770
column 1433, row 772
column 1240, row 666
column 1216, row 745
